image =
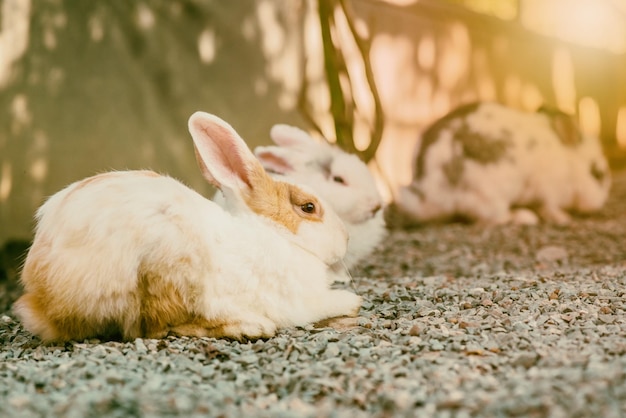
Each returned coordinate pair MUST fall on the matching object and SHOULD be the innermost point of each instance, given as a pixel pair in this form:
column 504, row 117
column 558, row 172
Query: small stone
column 332, row 350
column 436, row 345
column 415, row 330
column 606, row 310
column 465, row 325
column 474, row 349
column 477, row 291
column 569, row 317
column 140, row 346
column 249, row 359
column 19, row 401
column 607, row 319
column 526, row 360
column 452, row 400
column 114, row 378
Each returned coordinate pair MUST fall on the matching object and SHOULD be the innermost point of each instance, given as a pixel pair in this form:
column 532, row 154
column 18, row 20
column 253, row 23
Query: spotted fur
column 488, row 163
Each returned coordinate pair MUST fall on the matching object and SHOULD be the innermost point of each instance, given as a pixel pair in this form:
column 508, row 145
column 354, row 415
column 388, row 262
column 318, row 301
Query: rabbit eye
column 597, row 172
column 308, row 207
column 305, row 206
column 339, row 179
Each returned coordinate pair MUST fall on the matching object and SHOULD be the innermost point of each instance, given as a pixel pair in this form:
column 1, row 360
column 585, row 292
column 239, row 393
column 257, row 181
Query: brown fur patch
column 281, row 202
column 161, row 305
column 48, row 317
column 432, row 133
column 30, row 311
column 165, row 310
column 32, row 308
column 162, row 310
column 480, row 148
column 55, row 323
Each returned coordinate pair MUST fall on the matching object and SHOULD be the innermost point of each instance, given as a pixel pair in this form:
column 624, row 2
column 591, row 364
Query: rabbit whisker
column 347, row 270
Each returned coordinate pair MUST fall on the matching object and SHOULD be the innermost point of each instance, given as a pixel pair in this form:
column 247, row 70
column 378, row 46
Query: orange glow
column 595, row 23
column 563, row 80
column 590, row 121
column 512, row 89
column 621, row 127
column 531, row 97
column 426, row 52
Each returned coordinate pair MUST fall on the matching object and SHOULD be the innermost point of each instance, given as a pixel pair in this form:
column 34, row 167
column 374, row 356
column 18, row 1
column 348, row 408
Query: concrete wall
column 110, row 85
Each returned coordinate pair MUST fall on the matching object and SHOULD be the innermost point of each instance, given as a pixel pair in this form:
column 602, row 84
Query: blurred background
column 90, row 86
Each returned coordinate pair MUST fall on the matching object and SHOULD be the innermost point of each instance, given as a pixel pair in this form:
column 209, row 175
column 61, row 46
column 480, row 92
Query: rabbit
column 488, row 163
column 137, row 254
column 340, row 178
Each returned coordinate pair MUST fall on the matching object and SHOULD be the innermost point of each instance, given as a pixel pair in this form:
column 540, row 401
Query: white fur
column 301, row 160
column 537, row 171
column 96, row 236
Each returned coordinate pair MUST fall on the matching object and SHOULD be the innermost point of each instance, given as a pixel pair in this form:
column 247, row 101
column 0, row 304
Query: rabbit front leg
column 554, row 214
column 250, row 326
column 524, row 216
column 337, row 302
column 238, row 325
column 238, row 330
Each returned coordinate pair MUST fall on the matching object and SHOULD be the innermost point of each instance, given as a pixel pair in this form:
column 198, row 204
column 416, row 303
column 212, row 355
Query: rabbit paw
column 250, row 328
column 345, row 303
column 555, row 215
column 523, row 216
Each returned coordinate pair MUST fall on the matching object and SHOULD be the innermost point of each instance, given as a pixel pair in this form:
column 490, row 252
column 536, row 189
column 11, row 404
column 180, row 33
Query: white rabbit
column 489, row 163
column 137, row 254
column 342, row 179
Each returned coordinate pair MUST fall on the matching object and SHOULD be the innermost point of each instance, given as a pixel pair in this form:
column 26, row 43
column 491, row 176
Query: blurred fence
column 88, row 86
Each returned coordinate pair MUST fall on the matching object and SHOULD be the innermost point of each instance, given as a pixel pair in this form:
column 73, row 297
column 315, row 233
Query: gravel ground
column 458, row 321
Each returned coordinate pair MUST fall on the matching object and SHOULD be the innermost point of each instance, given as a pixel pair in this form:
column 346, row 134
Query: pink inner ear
column 222, row 155
column 288, row 136
column 274, row 162
column 204, row 170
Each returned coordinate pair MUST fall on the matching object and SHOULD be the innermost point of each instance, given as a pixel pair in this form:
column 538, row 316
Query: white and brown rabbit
column 492, row 164
column 137, row 254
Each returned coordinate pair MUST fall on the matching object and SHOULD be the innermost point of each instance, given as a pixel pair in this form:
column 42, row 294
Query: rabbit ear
column 289, row 136
column 563, row 125
column 274, row 159
column 567, row 130
column 224, row 158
